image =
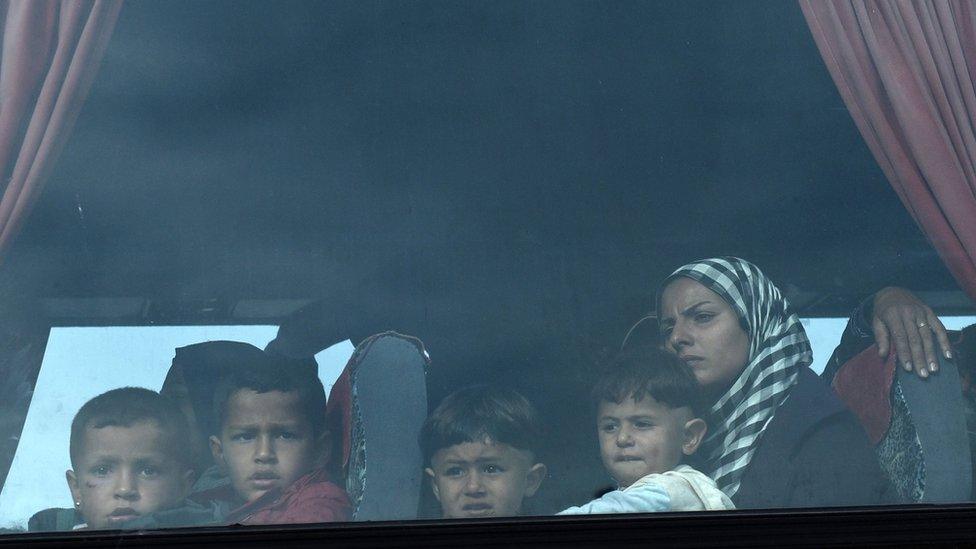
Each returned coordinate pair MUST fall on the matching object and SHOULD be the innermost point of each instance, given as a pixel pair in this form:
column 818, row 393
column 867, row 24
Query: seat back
column 918, row 425
column 936, row 409
column 378, row 405
column 55, row 519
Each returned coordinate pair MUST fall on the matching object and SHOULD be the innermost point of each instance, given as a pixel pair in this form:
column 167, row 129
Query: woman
column 778, row 437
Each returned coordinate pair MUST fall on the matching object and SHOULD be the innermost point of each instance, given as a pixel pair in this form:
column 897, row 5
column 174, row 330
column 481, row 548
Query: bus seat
column 917, row 425
column 379, row 404
column 935, row 407
column 54, row 519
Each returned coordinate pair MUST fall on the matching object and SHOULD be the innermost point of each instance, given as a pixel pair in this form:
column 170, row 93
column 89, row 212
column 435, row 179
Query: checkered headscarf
column 778, row 349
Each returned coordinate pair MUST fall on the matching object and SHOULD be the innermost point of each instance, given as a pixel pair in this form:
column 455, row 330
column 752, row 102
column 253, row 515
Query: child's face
column 126, row 472
column 266, row 442
column 638, row 438
column 483, row 479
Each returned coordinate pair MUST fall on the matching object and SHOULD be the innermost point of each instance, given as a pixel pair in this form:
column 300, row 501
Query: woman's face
column 703, row 330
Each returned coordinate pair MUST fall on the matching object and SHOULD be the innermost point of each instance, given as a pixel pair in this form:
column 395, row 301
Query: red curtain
column 906, row 72
column 50, row 52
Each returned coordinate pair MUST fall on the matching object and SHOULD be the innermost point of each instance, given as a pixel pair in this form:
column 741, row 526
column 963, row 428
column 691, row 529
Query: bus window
column 461, row 264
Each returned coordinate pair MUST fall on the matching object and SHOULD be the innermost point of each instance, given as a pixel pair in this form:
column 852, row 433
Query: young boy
column 479, row 446
column 127, row 457
column 648, row 420
column 271, row 443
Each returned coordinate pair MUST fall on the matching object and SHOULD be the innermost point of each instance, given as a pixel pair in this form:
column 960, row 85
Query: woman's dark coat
column 813, row 454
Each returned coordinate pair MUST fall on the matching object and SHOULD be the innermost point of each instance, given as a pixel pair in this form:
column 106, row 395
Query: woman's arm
column 894, row 318
column 901, row 320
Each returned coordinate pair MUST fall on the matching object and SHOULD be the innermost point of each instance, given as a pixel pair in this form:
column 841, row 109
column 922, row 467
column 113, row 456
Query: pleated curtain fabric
column 51, row 50
column 905, row 70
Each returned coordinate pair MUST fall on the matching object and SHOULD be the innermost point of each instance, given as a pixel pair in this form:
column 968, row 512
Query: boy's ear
column 433, row 483
column 69, row 475
column 533, row 479
column 218, row 452
column 695, row 430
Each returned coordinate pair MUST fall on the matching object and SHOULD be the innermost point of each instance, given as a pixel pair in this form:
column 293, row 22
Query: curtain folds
column 906, row 71
column 50, row 53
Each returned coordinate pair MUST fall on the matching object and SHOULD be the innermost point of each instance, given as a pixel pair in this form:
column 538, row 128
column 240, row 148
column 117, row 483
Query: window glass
column 489, row 205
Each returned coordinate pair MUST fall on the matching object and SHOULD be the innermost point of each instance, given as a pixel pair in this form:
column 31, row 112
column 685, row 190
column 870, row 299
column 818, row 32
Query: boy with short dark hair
column 479, row 446
column 649, row 412
column 191, row 382
column 271, row 442
column 128, row 457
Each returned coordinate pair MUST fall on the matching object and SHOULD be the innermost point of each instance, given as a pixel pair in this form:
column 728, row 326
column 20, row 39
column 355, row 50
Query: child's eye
column 608, row 427
column 288, row 435
column 491, row 469
column 643, row 424
column 242, row 437
column 453, row 472
column 149, row 471
column 101, row 470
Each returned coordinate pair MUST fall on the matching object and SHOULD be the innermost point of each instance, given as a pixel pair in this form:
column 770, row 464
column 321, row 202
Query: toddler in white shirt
column 648, row 422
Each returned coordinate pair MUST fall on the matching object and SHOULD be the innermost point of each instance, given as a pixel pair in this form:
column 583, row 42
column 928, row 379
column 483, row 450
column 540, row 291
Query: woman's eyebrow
column 695, row 306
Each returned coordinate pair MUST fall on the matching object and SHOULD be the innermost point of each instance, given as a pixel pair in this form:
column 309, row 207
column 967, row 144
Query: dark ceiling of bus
column 512, row 171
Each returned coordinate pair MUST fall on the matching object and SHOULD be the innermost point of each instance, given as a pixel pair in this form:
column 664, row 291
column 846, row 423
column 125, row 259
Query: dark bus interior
column 507, row 181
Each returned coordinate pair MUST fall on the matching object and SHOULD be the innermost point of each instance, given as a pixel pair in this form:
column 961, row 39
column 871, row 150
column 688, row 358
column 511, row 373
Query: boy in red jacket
column 271, row 442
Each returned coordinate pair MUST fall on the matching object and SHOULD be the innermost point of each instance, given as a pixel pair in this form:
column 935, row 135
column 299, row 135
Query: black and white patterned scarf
column 778, row 349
